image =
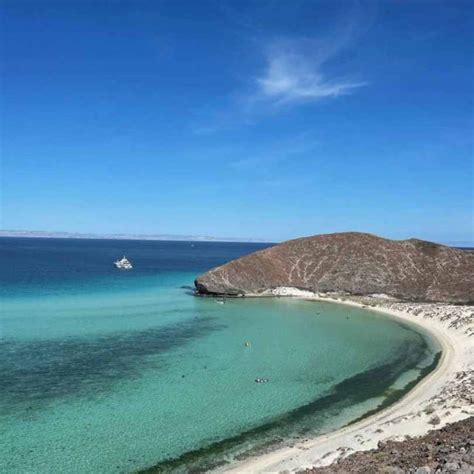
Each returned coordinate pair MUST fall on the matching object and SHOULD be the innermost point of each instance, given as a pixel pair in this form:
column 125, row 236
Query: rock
column 434, row 420
column 451, row 466
column 423, row 470
column 429, row 409
column 349, row 263
column 439, row 451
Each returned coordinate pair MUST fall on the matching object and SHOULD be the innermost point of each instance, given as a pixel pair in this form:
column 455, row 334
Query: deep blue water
column 30, row 263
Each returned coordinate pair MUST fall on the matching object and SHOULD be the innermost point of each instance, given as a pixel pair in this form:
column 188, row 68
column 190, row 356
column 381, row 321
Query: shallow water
column 109, row 371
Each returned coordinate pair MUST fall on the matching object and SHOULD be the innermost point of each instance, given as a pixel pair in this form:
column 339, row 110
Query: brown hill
column 350, row 263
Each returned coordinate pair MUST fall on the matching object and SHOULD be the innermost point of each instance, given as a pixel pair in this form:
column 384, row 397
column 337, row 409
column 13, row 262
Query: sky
column 253, row 119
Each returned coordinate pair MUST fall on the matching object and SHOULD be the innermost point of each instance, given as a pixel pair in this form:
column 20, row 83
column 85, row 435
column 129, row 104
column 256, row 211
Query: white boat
column 123, row 264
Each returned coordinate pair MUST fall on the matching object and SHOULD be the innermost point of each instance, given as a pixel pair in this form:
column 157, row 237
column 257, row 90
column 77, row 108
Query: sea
column 110, row 371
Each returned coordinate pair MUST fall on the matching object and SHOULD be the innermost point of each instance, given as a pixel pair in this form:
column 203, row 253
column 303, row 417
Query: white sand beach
column 446, row 395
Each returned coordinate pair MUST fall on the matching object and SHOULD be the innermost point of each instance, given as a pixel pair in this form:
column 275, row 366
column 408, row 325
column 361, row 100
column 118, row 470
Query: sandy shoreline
column 444, row 396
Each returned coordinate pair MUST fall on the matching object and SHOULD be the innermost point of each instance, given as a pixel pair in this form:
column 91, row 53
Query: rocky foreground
column 448, row 450
column 353, row 264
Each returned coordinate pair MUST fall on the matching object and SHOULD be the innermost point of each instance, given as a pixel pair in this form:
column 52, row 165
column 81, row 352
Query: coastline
column 442, row 397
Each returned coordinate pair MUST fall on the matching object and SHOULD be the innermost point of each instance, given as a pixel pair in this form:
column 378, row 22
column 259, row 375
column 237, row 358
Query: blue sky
column 242, row 119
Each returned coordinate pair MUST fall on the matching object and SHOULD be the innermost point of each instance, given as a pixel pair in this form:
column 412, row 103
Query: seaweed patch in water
column 357, row 389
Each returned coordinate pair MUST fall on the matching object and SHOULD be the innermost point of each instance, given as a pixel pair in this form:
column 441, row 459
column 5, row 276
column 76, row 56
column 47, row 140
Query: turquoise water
column 115, row 372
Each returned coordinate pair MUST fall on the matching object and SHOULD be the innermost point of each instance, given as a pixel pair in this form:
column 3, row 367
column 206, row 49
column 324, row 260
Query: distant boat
column 123, row 264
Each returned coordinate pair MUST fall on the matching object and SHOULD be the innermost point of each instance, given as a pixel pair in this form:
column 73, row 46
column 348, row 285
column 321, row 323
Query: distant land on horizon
column 43, row 234
column 81, row 235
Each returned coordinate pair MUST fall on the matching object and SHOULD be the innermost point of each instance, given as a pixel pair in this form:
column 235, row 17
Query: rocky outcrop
column 350, row 263
column 448, row 450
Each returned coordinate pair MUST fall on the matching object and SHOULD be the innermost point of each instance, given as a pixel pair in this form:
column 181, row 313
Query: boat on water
column 123, row 264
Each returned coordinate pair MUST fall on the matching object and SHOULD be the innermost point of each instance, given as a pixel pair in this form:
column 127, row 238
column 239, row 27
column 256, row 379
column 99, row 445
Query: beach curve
column 437, row 399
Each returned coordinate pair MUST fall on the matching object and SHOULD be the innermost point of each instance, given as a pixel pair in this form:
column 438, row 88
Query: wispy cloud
column 293, row 75
column 283, row 150
column 308, row 68
column 292, row 70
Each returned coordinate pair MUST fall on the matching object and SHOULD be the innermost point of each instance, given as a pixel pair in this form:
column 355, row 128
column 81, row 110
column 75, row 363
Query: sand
column 446, row 395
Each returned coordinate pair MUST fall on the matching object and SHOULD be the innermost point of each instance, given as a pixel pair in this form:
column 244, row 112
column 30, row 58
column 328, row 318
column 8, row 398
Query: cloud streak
column 283, row 150
column 291, row 78
column 294, row 70
column 295, row 75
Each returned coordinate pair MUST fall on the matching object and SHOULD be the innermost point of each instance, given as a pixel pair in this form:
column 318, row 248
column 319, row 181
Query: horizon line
column 44, row 234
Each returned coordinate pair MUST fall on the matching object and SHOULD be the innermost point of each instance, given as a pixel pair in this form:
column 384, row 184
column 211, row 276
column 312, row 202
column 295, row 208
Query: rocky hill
column 350, row 263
